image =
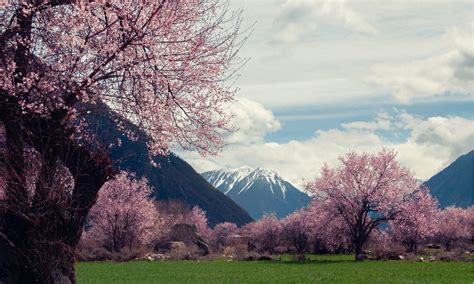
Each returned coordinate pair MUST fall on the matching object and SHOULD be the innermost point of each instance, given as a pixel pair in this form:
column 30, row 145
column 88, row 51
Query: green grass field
column 321, row 269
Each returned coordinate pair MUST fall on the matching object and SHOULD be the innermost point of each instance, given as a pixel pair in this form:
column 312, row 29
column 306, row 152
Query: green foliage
column 318, row 269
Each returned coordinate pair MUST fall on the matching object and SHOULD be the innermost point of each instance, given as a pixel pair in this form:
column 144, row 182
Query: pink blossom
column 124, row 214
column 162, row 65
column 265, row 232
column 416, row 221
column 223, row 234
column 198, row 217
column 295, row 230
column 365, row 190
column 453, row 224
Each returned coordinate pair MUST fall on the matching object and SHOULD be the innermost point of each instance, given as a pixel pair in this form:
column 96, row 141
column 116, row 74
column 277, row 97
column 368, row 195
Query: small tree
column 416, row 221
column 223, row 233
column 453, row 224
column 328, row 232
column 198, row 217
column 124, row 214
column 266, row 232
column 295, row 229
column 366, row 190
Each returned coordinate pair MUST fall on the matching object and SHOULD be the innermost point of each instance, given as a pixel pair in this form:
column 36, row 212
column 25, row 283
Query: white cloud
column 451, row 72
column 450, row 135
column 382, row 122
column 252, row 121
column 432, row 143
column 351, row 54
column 298, row 18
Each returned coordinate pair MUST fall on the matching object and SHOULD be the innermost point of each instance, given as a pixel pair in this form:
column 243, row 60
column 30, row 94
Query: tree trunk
column 38, row 236
column 358, row 248
column 358, row 251
column 45, row 264
column 41, row 249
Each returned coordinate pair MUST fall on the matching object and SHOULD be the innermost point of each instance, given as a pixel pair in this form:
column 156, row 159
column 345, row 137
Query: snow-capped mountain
column 258, row 191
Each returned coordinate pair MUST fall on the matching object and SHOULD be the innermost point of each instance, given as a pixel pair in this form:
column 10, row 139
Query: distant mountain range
column 173, row 180
column 258, row 191
column 454, row 185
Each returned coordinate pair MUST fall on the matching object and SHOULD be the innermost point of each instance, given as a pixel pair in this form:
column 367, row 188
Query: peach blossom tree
column 365, row 191
column 265, row 232
column 124, row 214
column 328, row 233
column 163, row 65
column 416, row 221
column 223, row 233
column 295, row 230
column 453, row 224
column 198, row 217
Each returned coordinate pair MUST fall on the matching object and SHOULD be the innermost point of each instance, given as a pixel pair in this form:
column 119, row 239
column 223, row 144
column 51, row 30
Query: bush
column 91, row 251
column 455, row 255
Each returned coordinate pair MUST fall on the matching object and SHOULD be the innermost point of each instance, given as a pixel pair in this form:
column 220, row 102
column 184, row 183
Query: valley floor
column 321, row 269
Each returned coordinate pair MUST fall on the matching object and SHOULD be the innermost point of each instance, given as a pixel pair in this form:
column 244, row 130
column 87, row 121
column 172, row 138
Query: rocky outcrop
column 187, row 235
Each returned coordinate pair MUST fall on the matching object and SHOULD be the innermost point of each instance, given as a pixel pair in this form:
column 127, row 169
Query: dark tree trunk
column 38, row 234
column 358, row 251
column 38, row 241
column 411, row 246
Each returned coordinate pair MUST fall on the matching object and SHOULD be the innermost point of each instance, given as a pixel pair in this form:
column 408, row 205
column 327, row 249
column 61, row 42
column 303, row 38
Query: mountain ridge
column 258, row 191
column 174, row 179
column 454, row 185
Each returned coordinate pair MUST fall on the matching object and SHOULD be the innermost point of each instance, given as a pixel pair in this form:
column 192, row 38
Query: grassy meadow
column 319, row 269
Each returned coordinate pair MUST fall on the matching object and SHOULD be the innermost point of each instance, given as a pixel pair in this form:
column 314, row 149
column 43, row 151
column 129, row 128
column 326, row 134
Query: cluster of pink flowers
column 161, row 65
column 126, row 215
column 416, row 221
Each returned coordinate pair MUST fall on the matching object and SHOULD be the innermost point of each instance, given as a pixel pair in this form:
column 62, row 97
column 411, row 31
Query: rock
column 178, row 247
column 361, row 257
column 421, row 259
column 431, row 259
column 401, row 257
column 188, row 234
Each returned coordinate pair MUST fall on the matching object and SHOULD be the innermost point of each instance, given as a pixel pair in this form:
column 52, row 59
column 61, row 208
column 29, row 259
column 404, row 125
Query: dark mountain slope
column 454, row 185
column 173, row 180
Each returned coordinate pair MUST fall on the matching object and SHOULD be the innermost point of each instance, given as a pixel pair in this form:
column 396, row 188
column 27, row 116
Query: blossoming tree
column 223, row 234
column 198, row 217
column 416, row 221
column 365, row 190
column 265, row 232
column 453, row 224
column 295, row 230
column 124, row 214
column 161, row 64
column 328, row 233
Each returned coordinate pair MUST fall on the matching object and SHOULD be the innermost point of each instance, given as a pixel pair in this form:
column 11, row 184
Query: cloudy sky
column 326, row 77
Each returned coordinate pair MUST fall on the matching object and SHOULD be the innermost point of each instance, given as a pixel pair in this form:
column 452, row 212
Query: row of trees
column 366, row 198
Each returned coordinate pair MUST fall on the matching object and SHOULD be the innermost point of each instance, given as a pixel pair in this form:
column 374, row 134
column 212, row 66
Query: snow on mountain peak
column 258, row 190
column 228, row 178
